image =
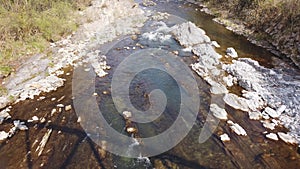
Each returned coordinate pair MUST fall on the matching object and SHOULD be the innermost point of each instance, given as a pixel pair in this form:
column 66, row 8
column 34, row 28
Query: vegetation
column 27, row 27
column 258, row 13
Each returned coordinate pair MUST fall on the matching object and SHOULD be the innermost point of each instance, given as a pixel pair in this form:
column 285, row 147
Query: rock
column 3, row 102
column 3, row 135
column 236, row 102
column 237, row 128
column 228, row 80
column 216, row 88
column 147, row 3
column 287, row 138
column 272, row 136
column 79, row 119
column 255, row 115
column 20, row 125
column 254, row 101
column 224, row 137
column 60, row 105
column 281, row 109
column 4, row 115
column 218, row 112
column 34, row 118
column 131, row 130
column 127, row 114
column 68, row 107
column 188, row 34
column 215, row 44
column 231, row 52
column 269, row 125
column 53, row 111
column 272, row 112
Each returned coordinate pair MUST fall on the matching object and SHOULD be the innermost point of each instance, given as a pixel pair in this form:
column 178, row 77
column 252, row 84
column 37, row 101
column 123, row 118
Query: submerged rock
column 218, row 112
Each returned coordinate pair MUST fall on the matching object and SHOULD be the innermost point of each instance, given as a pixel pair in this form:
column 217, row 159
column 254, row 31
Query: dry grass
column 27, row 27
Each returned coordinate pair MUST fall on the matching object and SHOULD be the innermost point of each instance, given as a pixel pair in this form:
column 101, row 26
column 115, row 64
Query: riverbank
column 274, row 25
column 101, row 22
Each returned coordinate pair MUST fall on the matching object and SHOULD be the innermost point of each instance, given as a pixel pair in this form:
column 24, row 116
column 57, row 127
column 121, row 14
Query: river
column 69, row 146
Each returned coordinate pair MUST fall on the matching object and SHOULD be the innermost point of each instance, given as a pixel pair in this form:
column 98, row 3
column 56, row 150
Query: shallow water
column 69, row 146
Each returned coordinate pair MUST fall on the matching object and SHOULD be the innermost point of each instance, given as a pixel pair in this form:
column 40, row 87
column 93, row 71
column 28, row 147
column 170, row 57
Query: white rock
column 218, row 112
column 228, row 80
column 188, row 34
column 237, row 128
column 215, row 44
column 60, row 105
column 272, row 112
column 269, row 125
column 127, row 114
column 35, row 118
column 281, row 109
column 224, row 137
column 236, row 102
column 216, row 88
column 4, row 115
column 68, row 107
column 20, row 125
column 53, row 111
column 3, row 135
column 287, row 138
column 231, row 52
column 272, row 136
column 254, row 115
column 79, row 119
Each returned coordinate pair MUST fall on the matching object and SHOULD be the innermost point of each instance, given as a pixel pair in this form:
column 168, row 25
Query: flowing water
column 70, row 147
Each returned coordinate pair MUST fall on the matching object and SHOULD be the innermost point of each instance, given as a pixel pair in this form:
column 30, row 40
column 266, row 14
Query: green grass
column 27, row 27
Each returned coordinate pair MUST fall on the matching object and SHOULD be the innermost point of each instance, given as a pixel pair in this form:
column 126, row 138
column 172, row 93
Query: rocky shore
column 102, row 22
column 276, row 37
